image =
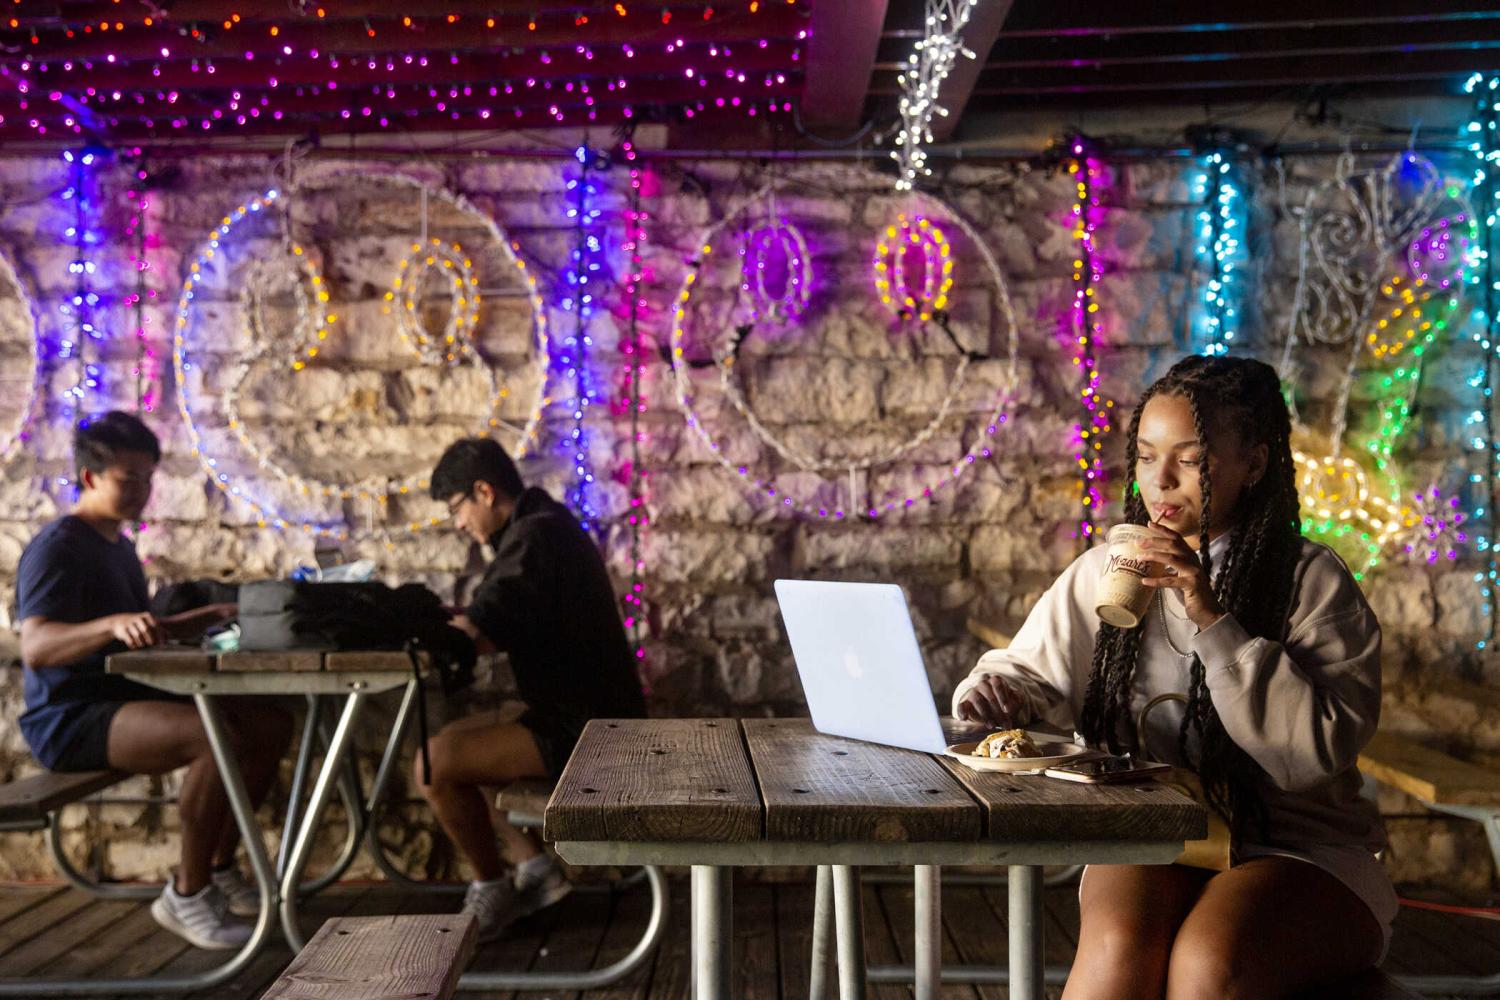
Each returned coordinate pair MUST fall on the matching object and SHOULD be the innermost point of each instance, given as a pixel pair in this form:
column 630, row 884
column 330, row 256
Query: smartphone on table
column 1102, row 770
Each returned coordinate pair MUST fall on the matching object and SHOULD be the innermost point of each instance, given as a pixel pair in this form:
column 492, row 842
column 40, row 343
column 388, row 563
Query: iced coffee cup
column 1123, row 598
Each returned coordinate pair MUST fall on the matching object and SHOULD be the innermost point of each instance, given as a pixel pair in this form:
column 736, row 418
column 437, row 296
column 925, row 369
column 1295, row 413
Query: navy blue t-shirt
column 71, row 573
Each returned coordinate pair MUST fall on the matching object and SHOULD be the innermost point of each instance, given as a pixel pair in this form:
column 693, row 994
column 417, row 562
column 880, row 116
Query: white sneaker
column 493, row 905
column 202, row 919
column 538, row 887
column 239, row 892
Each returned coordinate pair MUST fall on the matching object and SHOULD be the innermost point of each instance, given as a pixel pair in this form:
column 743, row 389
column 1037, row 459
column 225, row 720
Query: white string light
column 314, row 328
column 929, row 64
column 980, row 447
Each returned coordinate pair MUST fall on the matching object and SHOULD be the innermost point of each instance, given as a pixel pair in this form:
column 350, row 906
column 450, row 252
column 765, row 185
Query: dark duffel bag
column 294, row 614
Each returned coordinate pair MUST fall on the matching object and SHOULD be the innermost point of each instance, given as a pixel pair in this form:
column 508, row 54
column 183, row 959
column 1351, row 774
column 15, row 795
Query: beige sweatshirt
column 1302, row 708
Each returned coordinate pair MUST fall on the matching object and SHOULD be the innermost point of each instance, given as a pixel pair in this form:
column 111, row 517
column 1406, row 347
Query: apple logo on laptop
column 851, row 664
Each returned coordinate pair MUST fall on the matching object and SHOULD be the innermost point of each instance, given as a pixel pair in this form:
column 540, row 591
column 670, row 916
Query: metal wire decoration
column 1353, row 227
column 759, row 249
column 742, row 324
column 1381, row 269
column 278, row 348
column 22, row 386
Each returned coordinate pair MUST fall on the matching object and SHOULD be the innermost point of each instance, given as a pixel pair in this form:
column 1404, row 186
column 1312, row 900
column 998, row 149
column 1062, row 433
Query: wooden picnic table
column 717, row 794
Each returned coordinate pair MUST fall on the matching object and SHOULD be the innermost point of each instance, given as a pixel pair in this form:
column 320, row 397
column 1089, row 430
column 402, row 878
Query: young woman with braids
column 1279, row 657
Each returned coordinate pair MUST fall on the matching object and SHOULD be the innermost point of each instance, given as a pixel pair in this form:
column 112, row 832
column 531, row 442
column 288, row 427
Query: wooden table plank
column 285, row 661
column 829, row 789
column 1032, row 807
column 165, row 660
column 380, row 957
column 370, row 659
column 657, row 780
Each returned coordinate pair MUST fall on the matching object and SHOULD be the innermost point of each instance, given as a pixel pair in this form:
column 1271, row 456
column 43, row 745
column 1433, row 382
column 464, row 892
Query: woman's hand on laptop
column 994, row 702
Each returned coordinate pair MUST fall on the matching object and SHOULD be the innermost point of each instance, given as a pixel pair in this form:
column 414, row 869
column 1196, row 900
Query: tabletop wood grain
column 1035, row 807
column 827, row 788
column 657, row 779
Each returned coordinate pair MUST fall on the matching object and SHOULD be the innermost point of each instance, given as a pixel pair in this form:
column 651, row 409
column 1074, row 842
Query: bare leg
column 1270, row 928
column 1129, row 916
column 518, row 844
column 153, row 737
column 268, row 734
column 464, row 759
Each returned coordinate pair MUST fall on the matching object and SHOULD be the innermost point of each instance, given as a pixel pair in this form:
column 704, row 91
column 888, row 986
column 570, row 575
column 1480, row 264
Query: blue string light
column 1484, row 143
column 1219, row 246
column 80, row 337
column 584, row 277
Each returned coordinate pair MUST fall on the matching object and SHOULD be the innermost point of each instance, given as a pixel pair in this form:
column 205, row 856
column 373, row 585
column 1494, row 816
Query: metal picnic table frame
column 352, row 677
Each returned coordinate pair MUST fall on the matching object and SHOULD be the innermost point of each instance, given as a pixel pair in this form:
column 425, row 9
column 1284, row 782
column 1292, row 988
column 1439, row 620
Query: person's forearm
column 468, row 628
column 191, row 624
column 51, row 644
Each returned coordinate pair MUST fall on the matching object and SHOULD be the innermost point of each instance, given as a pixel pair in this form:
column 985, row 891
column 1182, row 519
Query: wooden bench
column 988, row 634
column 524, row 801
column 377, row 958
column 27, row 803
column 1428, row 774
column 1442, row 783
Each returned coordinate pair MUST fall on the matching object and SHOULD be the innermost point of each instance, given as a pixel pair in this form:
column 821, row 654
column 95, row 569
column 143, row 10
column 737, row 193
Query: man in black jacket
column 546, row 601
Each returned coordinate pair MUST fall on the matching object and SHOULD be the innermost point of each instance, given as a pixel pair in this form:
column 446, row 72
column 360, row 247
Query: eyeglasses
column 454, row 505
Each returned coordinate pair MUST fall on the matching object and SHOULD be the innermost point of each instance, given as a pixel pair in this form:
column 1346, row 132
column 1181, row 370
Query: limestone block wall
column 844, row 383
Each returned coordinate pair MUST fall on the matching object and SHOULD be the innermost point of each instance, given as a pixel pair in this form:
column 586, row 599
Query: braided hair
column 1254, row 585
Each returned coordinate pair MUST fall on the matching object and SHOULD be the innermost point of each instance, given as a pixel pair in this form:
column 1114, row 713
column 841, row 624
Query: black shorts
column 79, row 737
column 76, row 734
column 556, row 733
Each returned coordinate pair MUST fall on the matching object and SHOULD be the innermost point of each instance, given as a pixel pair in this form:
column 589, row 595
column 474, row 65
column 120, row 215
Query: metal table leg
column 265, row 879
column 822, row 934
column 848, row 917
column 373, row 844
column 299, row 782
column 713, row 931
column 1026, row 975
column 343, row 736
column 929, row 924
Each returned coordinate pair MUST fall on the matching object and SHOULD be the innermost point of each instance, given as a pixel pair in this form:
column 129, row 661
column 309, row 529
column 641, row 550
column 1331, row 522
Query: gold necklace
column 1161, row 612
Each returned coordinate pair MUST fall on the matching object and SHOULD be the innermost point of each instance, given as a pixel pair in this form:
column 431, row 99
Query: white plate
column 1054, row 751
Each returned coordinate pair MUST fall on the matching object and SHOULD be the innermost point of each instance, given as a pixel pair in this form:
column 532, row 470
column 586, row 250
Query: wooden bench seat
column 525, row 798
column 25, row 803
column 378, row 958
column 1428, row 774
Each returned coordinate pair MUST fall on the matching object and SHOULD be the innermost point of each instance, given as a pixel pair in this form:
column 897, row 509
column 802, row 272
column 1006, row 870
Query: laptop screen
column 859, row 662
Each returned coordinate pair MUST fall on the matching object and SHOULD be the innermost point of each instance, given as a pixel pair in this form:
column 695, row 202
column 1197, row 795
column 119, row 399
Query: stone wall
column 845, row 382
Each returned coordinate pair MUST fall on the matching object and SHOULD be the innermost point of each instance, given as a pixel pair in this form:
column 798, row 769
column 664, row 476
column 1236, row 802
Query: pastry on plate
column 1008, row 744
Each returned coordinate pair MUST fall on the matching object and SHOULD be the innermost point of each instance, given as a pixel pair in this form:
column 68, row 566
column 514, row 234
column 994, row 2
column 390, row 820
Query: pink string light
column 137, row 241
column 631, row 403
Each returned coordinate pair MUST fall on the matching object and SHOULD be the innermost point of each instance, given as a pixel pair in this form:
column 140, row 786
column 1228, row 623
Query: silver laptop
column 859, row 662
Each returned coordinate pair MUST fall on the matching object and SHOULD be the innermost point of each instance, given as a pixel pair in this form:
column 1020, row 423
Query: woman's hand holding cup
column 993, row 701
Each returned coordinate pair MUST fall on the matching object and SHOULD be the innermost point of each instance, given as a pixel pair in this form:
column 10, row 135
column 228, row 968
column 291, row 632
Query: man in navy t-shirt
column 82, row 595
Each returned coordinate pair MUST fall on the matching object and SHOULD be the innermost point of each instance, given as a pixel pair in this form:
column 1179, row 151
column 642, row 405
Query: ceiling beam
column 841, row 57
column 979, row 37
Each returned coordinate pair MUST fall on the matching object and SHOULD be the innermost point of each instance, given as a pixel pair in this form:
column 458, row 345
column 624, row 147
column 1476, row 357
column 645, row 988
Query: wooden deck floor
column 55, row 931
